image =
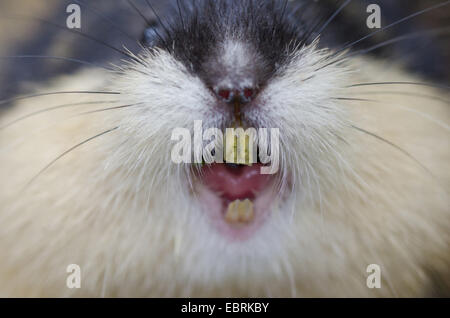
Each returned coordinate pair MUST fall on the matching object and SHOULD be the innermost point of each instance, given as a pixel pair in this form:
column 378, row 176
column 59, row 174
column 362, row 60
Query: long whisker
column 105, row 18
column 283, row 12
column 87, row 36
column 353, row 99
column 300, row 6
column 333, row 16
column 149, row 23
column 157, row 16
column 110, row 108
column 421, row 114
column 310, row 31
column 447, row 102
column 394, row 146
column 68, row 59
column 393, row 41
column 51, row 109
column 136, row 9
column 162, row 24
column 435, row 31
column 181, row 15
column 400, row 83
column 67, row 152
column 401, row 38
column 394, row 24
column 426, row 116
column 7, row 101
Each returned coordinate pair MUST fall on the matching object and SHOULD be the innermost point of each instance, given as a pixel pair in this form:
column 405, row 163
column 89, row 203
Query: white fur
column 120, row 209
column 235, row 58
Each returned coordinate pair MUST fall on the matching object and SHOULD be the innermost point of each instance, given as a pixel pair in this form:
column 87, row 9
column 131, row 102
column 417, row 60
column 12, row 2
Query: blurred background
column 37, row 27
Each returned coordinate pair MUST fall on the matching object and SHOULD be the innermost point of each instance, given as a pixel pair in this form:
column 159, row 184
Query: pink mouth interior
column 243, row 182
column 221, row 184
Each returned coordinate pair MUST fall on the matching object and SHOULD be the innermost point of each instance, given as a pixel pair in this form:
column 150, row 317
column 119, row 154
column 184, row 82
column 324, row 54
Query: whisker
column 333, row 16
column 68, row 59
column 401, row 38
column 400, row 83
column 394, row 24
column 283, row 12
column 310, row 31
column 300, row 6
column 297, row 7
column 435, row 31
column 7, row 101
column 421, row 114
column 67, row 152
column 50, row 109
column 353, row 99
column 181, row 15
column 87, row 36
column 394, row 146
column 395, row 40
column 149, row 23
column 105, row 18
column 426, row 116
column 157, row 17
column 110, row 108
column 136, row 9
column 162, row 24
column 409, row 94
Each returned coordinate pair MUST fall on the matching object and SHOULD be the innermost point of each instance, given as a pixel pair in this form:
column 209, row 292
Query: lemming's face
column 237, row 79
column 155, row 182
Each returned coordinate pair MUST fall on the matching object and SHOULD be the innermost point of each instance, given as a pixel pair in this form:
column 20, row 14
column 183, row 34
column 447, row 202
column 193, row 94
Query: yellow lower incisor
column 239, row 212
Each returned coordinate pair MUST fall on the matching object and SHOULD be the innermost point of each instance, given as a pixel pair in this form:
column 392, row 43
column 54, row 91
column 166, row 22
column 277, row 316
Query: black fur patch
column 267, row 26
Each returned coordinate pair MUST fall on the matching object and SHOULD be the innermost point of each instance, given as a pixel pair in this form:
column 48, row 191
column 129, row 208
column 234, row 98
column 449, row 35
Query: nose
column 233, row 95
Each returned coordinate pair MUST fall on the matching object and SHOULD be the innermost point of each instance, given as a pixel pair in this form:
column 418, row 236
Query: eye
column 152, row 36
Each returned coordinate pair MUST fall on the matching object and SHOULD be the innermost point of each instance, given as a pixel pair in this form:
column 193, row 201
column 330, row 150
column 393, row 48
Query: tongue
column 243, row 182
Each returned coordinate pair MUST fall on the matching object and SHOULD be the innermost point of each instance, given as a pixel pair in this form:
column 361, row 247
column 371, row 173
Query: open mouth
column 237, row 198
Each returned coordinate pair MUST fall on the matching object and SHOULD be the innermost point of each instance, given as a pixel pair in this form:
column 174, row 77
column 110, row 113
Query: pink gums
column 221, row 184
column 244, row 182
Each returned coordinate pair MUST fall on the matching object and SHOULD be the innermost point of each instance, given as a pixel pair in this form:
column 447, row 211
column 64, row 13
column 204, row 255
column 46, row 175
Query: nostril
column 248, row 93
column 228, row 95
column 225, row 94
